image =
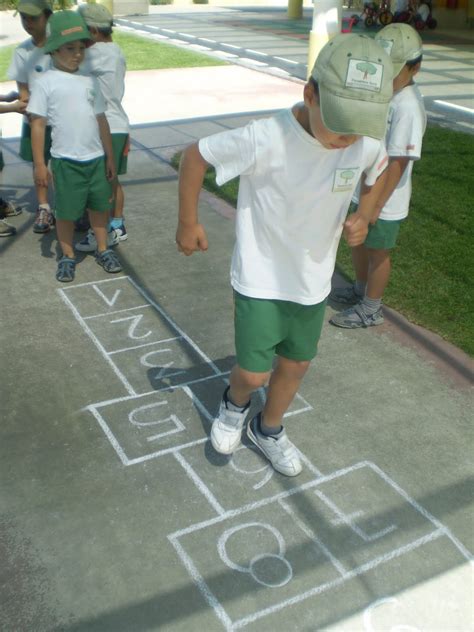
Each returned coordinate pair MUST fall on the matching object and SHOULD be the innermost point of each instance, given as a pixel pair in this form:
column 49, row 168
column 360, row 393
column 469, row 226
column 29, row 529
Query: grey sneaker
column 278, row 449
column 6, row 230
column 355, row 318
column 43, row 221
column 227, row 427
column 8, row 209
column 345, row 295
column 89, row 243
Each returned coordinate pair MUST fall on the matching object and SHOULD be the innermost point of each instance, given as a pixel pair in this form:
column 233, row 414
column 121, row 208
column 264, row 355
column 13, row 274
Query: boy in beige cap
column 82, row 161
column 298, row 171
column 105, row 61
column 406, row 126
column 29, row 62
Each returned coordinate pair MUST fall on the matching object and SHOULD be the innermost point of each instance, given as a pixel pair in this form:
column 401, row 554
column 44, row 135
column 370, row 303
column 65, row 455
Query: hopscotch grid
column 110, row 436
column 76, row 285
column 117, row 311
column 199, row 483
column 98, row 344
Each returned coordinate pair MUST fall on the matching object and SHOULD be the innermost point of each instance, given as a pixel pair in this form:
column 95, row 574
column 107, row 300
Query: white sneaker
column 89, row 243
column 227, row 427
column 278, row 449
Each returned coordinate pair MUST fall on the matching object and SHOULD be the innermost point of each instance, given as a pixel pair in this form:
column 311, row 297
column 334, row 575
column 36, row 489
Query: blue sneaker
column 121, row 233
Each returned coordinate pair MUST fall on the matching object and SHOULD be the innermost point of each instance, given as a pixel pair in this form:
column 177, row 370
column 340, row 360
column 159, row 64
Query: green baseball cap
column 402, row 43
column 33, row 7
column 64, row 27
column 96, row 15
column 354, row 76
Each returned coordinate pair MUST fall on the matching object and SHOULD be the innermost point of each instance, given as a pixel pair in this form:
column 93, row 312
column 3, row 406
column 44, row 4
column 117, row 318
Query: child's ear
column 309, row 94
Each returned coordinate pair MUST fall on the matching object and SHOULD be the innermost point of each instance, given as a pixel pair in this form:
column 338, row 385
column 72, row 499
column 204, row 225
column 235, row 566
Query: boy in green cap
column 406, row 126
column 105, row 61
column 82, row 174
column 298, row 171
column 29, row 63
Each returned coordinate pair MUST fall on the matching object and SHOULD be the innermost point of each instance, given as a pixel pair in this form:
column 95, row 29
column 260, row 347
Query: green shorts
column 79, row 186
column 265, row 327
column 121, row 149
column 383, row 234
column 25, row 143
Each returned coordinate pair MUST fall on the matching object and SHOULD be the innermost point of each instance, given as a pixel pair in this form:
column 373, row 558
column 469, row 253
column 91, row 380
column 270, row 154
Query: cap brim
column 29, row 9
column 397, row 67
column 57, row 42
column 351, row 116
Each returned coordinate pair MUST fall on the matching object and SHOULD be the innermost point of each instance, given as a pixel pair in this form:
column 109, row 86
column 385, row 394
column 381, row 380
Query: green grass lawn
column 433, row 266
column 140, row 53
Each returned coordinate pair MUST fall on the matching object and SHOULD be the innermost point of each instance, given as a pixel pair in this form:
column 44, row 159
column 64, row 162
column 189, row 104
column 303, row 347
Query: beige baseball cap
column 96, row 15
column 354, row 75
column 33, row 7
column 402, row 43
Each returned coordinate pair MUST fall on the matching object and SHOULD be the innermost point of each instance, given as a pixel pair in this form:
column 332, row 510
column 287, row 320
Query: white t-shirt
column 293, row 199
column 28, row 64
column 70, row 102
column 105, row 61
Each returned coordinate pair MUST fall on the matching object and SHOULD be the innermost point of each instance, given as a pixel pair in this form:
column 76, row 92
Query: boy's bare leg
column 41, row 194
column 360, row 261
column 243, row 383
column 65, row 232
column 284, row 383
column 379, row 273
column 98, row 222
column 119, row 200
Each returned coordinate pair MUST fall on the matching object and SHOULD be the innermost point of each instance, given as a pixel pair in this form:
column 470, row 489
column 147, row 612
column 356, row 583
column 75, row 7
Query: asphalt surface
column 115, row 513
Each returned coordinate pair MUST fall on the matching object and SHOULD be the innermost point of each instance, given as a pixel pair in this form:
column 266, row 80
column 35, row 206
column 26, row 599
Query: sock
column 359, row 287
column 44, row 205
column 230, row 404
column 115, row 222
column 267, row 431
column 371, row 305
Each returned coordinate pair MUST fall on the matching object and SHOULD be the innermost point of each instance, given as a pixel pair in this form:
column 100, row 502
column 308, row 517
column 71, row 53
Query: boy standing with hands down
column 82, row 174
column 298, row 171
column 406, row 126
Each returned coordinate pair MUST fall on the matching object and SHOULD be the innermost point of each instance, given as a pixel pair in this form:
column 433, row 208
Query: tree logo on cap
column 364, row 75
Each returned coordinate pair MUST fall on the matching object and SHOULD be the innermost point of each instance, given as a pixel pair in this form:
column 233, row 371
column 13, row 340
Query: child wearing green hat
column 82, row 161
column 105, row 60
column 406, row 127
column 298, row 171
column 28, row 64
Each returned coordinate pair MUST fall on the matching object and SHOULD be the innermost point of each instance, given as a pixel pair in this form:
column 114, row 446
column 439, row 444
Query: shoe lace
column 42, row 216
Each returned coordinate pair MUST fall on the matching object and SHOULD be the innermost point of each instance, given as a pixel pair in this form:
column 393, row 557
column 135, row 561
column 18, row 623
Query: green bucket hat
column 64, row 27
column 402, row 43
column 33, row 7
column 354, row 75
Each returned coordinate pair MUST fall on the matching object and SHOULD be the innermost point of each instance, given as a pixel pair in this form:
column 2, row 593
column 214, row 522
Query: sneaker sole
column 253, row 439
column 356, row 325
column 41, row 231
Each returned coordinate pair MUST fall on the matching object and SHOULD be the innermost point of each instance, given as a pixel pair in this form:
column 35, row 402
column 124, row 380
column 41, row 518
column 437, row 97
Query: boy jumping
column 298, row 171
column 406, row 126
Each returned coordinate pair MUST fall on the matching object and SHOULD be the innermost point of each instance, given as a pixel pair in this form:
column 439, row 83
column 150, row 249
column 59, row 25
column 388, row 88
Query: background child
column 8, row 209
column 298, row 171
column 105, row 61
column 28, row 64
column 406, row 126
column 74, row 106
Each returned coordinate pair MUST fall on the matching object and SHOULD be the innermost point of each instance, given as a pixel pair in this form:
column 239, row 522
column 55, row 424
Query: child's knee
column 252, row 380
column 294, row 368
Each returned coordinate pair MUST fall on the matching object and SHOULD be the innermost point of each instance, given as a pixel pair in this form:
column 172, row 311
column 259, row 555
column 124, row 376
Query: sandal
column 66, row 270
column 109, row 261
column 356, row 318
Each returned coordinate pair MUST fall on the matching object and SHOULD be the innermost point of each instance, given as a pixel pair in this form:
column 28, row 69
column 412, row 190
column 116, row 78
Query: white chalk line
column 364, row 568
column 459, row 545
column 203, row 587
column 116, row 311
column 266, row 501
column 110, row 436
column 199, row 483
column 113, row 280
column 118, row 400
column 98, row 344
column 145, row 344
column 312, row 535
column 345, row 519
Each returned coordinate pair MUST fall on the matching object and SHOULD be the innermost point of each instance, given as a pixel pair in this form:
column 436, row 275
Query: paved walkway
column 117, row 516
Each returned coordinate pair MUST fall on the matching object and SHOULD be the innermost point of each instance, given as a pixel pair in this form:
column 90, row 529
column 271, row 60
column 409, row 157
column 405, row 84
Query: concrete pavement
column 116, row 515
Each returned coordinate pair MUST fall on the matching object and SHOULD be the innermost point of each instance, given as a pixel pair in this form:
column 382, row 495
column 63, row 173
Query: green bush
column 161, row 1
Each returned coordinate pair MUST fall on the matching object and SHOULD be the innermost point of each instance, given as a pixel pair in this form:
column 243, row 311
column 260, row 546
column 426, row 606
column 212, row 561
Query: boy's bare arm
column 41, row 173
column 190, row 235
column 356, row 225
column 23, row 91
column 393, row 175
column 16, row 106
column 106, row 139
